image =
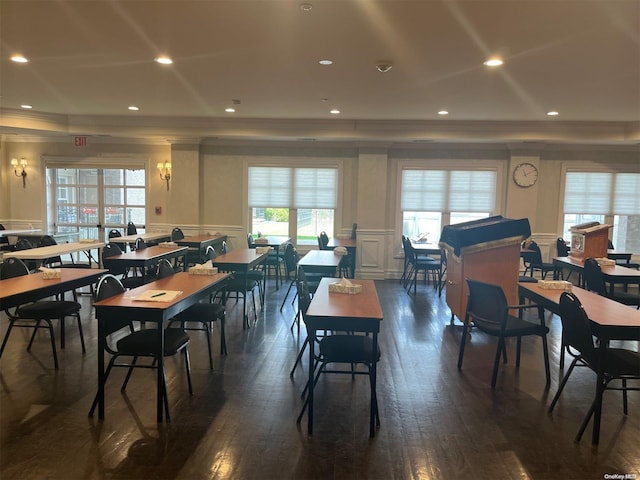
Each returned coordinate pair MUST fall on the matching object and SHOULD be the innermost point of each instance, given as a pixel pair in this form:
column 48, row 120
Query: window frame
column 497, row 166
column 298, row 162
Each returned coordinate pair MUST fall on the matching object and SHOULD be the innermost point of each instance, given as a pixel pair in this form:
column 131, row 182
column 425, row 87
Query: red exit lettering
column 80, row 141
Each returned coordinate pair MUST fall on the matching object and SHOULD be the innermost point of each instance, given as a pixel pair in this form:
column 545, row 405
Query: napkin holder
column 261, row 241
column 341, row 251
column 603, row 261
column 345, row 286
column 555, row 285
column 261, row 250
column 167, row 244
column 203, row 269
column 50, row 273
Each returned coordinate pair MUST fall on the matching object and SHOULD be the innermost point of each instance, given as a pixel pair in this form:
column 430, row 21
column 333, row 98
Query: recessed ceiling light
column 19, row 59
column 27, row 107
column 493, row 62
column 133, row 108
column 306, row 7
column 230, row 110
column 443, row 112
column 334, row 111
column 326, row 62
column 552, row 113
column 164, row 60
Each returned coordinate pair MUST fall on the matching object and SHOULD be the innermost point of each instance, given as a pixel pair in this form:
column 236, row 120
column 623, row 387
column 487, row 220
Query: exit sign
column 80, row 141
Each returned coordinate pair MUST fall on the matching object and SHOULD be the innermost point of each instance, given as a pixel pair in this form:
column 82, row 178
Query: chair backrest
column 224, row 247
column 593, row 277
column 12, row 267
column 251, row 243
column 487, row 304
column 536, row 255
column 111, row 249
column 409, row 252
column 132, row 229
column 561, row 247
column 113, row 233
column 3, row 240
column 165, row 269
column 290, row 257
column 576, row 328
column 610, row 245
column 176, row 234
column 46, row 241
column 210, row 253
column 324, row 238
column 304, row 296
column 354, row 230
column 23, row 244
column 140, row 244
column 108, row 286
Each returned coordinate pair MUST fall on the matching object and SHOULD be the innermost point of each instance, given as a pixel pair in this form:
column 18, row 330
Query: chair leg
column 81, row 334
column 126, row 379
column 188, row 367
column 299, row 357
column 106, row 375
column 463, row 341
column 563, row 382
column 6, row 337
column 223, row 338
column 496, row 363
column 286, row 295
column 624, row 396
column 547, row 368
column 518, row 349
column 585, row 422
column 207, row 331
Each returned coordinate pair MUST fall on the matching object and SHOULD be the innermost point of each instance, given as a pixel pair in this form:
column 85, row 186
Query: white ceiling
column 90, row 60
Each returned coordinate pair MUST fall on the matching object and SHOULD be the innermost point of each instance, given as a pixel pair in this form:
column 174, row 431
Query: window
column 81, row 199
column 605, row 197
column 298, row 202
column 430, row 199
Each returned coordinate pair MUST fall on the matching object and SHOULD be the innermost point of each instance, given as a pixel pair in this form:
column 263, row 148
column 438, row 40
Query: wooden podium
column 487, row 250
column 589, row 240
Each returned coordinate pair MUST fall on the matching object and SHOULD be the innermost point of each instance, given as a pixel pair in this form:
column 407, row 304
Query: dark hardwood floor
column 436, row 423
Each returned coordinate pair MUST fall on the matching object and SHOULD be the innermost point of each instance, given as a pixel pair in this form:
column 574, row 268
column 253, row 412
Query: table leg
column 597, row 413
column 160, row 376
column 312, row 342
column 373, row 410
column 101, row 346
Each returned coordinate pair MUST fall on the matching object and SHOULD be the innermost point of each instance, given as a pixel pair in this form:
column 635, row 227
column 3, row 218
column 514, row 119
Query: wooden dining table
column 359, row 312
column 613, row 274
column 199, row 243
column 143, row 258
column 322, row 262
column 351, row 244
column 610, row 320
column 42, row 253
column 193, row 288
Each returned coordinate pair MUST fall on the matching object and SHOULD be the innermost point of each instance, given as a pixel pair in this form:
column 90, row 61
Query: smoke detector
column 383, row 67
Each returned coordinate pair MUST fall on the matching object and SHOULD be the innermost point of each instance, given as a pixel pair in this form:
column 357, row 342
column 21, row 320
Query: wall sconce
column 165, row 172
column 23, row 163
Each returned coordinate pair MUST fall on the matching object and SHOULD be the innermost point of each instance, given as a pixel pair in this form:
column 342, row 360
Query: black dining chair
column 200, row 316
column 594, row 281
column 137, row 343
column 39, row 314
column 488, row 311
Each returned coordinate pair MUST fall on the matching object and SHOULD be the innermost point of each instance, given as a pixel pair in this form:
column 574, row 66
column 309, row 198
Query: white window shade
column 588, row 192
column 316, row 188
column 626, row 199
column 423, row 190
column 270, row 187
column 448, row 190
column 472, row 191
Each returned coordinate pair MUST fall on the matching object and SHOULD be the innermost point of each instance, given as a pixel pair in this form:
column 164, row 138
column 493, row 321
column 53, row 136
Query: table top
column 342, row 242
column 7, row 233
column 35, row 282
column 607, row 270
column 239, row 256
column 426, row 248
column 320, row 258
column 363, row 305
column 272, row 241
column 600, row 310
column 145, row 236
column 41, row 253
column 149, row 253
column 198, row 239
column 184, row 282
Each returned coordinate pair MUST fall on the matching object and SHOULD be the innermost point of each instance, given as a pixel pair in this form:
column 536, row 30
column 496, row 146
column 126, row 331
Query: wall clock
column 525, row 175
